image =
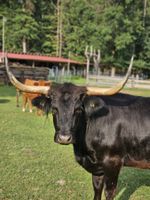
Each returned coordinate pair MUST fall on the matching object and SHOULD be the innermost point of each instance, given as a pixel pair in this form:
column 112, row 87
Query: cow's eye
column 54, row 111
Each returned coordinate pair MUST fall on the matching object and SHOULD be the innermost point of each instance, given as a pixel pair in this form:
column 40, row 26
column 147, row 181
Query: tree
column 57, row 27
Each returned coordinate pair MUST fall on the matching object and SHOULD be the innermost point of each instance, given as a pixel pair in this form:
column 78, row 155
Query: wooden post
column 68, row 65
column 88, row 57
column 97, row 59
column 33, row 64
column 113, row 71
column 62, row 73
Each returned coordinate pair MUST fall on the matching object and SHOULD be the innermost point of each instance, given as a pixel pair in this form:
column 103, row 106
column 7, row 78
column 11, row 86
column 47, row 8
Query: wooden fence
column 108, row 81
column 23, row 72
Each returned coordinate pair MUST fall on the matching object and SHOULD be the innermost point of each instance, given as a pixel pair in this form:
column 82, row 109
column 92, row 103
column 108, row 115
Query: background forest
column 118, row 28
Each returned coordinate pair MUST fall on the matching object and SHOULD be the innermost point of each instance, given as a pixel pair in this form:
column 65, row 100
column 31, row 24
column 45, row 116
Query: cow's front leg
column 110, row 187
column 111, row 173
column 98, row 183
column 24, row 102
column 30, row 105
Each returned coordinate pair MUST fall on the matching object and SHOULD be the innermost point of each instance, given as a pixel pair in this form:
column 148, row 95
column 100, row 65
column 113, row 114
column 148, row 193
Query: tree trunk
column 59, row 29
column 24, row 45
column 144, row 11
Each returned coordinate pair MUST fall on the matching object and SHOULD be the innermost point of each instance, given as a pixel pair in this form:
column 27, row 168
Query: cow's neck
column 83, row 156
column 80, row 146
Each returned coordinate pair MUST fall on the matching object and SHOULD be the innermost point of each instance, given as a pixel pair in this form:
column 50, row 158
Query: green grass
column 33, row 167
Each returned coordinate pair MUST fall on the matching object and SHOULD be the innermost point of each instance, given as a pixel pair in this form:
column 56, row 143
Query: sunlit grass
column 33, row 167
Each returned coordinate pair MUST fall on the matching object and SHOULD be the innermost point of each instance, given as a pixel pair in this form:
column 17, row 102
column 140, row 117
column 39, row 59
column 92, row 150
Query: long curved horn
column 23, row 87
column 113, row 90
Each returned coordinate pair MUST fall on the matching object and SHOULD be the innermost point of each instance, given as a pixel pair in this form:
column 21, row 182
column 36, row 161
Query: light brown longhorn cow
column 28, row 97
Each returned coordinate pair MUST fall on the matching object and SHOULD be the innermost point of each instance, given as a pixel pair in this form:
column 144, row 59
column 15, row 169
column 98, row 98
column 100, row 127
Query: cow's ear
column 94, row 106
column 42, row 102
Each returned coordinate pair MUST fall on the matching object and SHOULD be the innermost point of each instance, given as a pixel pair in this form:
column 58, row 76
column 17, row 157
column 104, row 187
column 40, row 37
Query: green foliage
column 48, row 31
column 24, row 26
column 118, row 28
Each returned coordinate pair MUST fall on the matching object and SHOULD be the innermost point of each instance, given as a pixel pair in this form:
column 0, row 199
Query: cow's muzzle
column 64, row 139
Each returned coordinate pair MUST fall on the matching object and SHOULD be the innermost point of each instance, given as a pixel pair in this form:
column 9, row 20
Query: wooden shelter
column 32, row 66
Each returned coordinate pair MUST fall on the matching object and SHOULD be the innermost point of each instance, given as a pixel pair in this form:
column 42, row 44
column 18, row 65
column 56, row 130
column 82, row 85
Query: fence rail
column 109, row 81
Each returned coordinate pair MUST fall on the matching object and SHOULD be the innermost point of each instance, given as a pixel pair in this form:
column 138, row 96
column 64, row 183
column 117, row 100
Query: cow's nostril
column 64, row 139
column 69, row 138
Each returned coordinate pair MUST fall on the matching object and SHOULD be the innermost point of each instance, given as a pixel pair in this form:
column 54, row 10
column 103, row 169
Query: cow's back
column 30, row 82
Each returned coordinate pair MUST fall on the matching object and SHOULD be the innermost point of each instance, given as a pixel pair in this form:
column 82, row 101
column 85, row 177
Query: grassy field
column 33, row 167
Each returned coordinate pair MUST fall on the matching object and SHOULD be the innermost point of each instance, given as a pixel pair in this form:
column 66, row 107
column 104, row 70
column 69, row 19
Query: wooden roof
column 40, row 58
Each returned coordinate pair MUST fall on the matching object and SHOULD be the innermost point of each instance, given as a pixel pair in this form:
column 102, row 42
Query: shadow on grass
column 130, row 180
column 4, row 101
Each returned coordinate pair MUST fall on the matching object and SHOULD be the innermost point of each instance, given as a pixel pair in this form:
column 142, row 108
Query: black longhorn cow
column 107, row 132
column 108, row 129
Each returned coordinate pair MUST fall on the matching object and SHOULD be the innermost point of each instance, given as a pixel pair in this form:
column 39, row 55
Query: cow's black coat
column 107, row 132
